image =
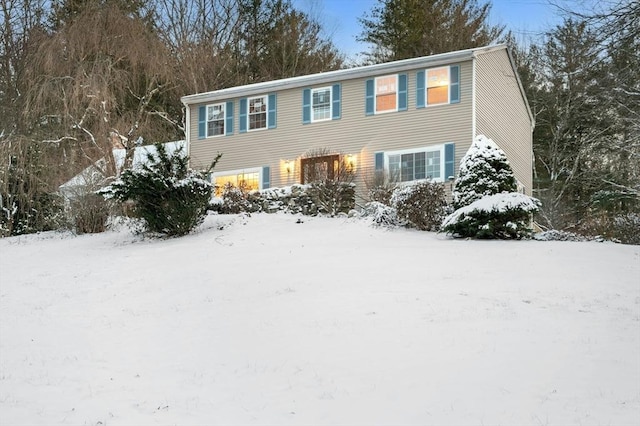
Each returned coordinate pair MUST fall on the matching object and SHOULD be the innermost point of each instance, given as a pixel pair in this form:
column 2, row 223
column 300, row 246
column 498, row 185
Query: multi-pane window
column 421, row 164
column 386, row 93
column 438, row 86
column 433, row 164
column 258, row 113
column 215, row 120
column 248, row 180
column 321, row 104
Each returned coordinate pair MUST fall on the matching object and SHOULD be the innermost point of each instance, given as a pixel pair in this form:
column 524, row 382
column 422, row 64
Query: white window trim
column 430, row 148
column 426, row 86
column 266, row 122
column 375, row 94
column 224, row 120
column 330, row 89
column 239, row 171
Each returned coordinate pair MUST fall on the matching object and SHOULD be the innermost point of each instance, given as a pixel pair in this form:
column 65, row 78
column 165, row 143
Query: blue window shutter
column 379, row 162
column 402, row 92
column 306, row 106
column 369, row 98
column 449, row 160
column 420, row 89
column 266, row 177
column 228, row 124
column 336, row 93
column 202, row 122
column 271, row 115
column 243, row 115
column 454, row 87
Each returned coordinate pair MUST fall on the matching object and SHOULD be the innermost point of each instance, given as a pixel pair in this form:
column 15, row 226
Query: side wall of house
column 501, row 113
column 354, row 133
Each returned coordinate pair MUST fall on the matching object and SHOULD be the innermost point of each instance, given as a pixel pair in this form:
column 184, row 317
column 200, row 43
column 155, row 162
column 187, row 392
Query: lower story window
column 248, row 180
column 423, row 163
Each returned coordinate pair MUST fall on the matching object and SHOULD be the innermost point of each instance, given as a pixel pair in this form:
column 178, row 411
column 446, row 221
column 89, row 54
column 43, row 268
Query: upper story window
column 258, row 113
column 215, row 120
column 438, row 86
column 386, row 93
column 321, row 104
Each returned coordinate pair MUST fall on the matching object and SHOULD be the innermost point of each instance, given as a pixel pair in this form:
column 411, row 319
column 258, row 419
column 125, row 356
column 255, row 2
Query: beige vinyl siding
column 502, row 115
column 354, row 133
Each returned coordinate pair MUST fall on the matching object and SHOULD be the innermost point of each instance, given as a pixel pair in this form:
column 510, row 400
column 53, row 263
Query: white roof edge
column 334, row 76
column 522, row 91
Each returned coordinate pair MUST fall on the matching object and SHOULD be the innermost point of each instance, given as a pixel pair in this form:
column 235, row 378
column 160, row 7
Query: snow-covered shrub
column 234, row 200
column 620, row 227
column 502, row 216
column 556, row 235
column 381, row 214
column 484, row 170
column 333, row 196
column 328, row 197
column 171, row 198
column 626, row 228
column 421, row 205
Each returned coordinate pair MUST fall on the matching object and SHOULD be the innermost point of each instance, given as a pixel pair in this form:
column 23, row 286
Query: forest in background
column 80, row 77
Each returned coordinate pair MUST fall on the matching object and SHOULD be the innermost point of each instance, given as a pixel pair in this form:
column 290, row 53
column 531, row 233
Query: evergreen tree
column 485, row 198
column 400, row 29
column 171, row 198
column 484, row 170
column 275, row 41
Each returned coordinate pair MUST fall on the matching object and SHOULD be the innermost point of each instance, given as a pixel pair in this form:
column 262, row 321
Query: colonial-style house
column 411, row 119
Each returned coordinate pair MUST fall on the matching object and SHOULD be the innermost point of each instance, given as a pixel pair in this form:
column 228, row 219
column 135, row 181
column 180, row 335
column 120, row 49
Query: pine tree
column 401, row 29
column 484, row 170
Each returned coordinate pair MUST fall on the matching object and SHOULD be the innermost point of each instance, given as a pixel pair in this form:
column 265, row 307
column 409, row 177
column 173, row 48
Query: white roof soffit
column 338, row 75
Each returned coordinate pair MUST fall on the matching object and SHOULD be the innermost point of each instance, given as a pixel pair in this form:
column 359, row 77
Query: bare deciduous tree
column 94, row 81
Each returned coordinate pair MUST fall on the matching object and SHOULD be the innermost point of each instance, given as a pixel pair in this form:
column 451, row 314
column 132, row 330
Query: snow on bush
column 504, row 216
column 484, row 170
column 171, row 198
column 380, row 214
column 421, row 205
column 326, row 197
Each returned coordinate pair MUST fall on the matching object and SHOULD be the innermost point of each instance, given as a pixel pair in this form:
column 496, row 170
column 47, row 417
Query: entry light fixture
column 350, row 162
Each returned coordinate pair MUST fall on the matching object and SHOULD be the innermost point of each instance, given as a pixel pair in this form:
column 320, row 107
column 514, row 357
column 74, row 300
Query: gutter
column 333, row 76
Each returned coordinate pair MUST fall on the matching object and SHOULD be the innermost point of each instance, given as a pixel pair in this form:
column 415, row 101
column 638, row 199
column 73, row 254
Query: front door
column 316, row 169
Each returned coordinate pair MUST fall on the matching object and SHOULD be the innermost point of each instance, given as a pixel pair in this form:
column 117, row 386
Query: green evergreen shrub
column 484, row 170
column 486, row 203
column 171, row 198
column 499, row 216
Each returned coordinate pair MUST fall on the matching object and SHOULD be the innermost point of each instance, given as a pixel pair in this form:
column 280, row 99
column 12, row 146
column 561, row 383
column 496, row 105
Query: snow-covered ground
column 326, row 322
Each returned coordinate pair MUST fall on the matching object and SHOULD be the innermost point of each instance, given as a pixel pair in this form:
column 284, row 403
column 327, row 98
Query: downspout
column 473, row 97
column 187, row 130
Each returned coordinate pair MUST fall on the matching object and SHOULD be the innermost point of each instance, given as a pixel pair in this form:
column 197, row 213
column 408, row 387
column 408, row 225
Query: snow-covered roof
column 344, row 74
column 94, row 173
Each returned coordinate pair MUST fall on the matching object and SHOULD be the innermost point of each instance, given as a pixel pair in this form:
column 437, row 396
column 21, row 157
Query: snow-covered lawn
column 268, row 321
